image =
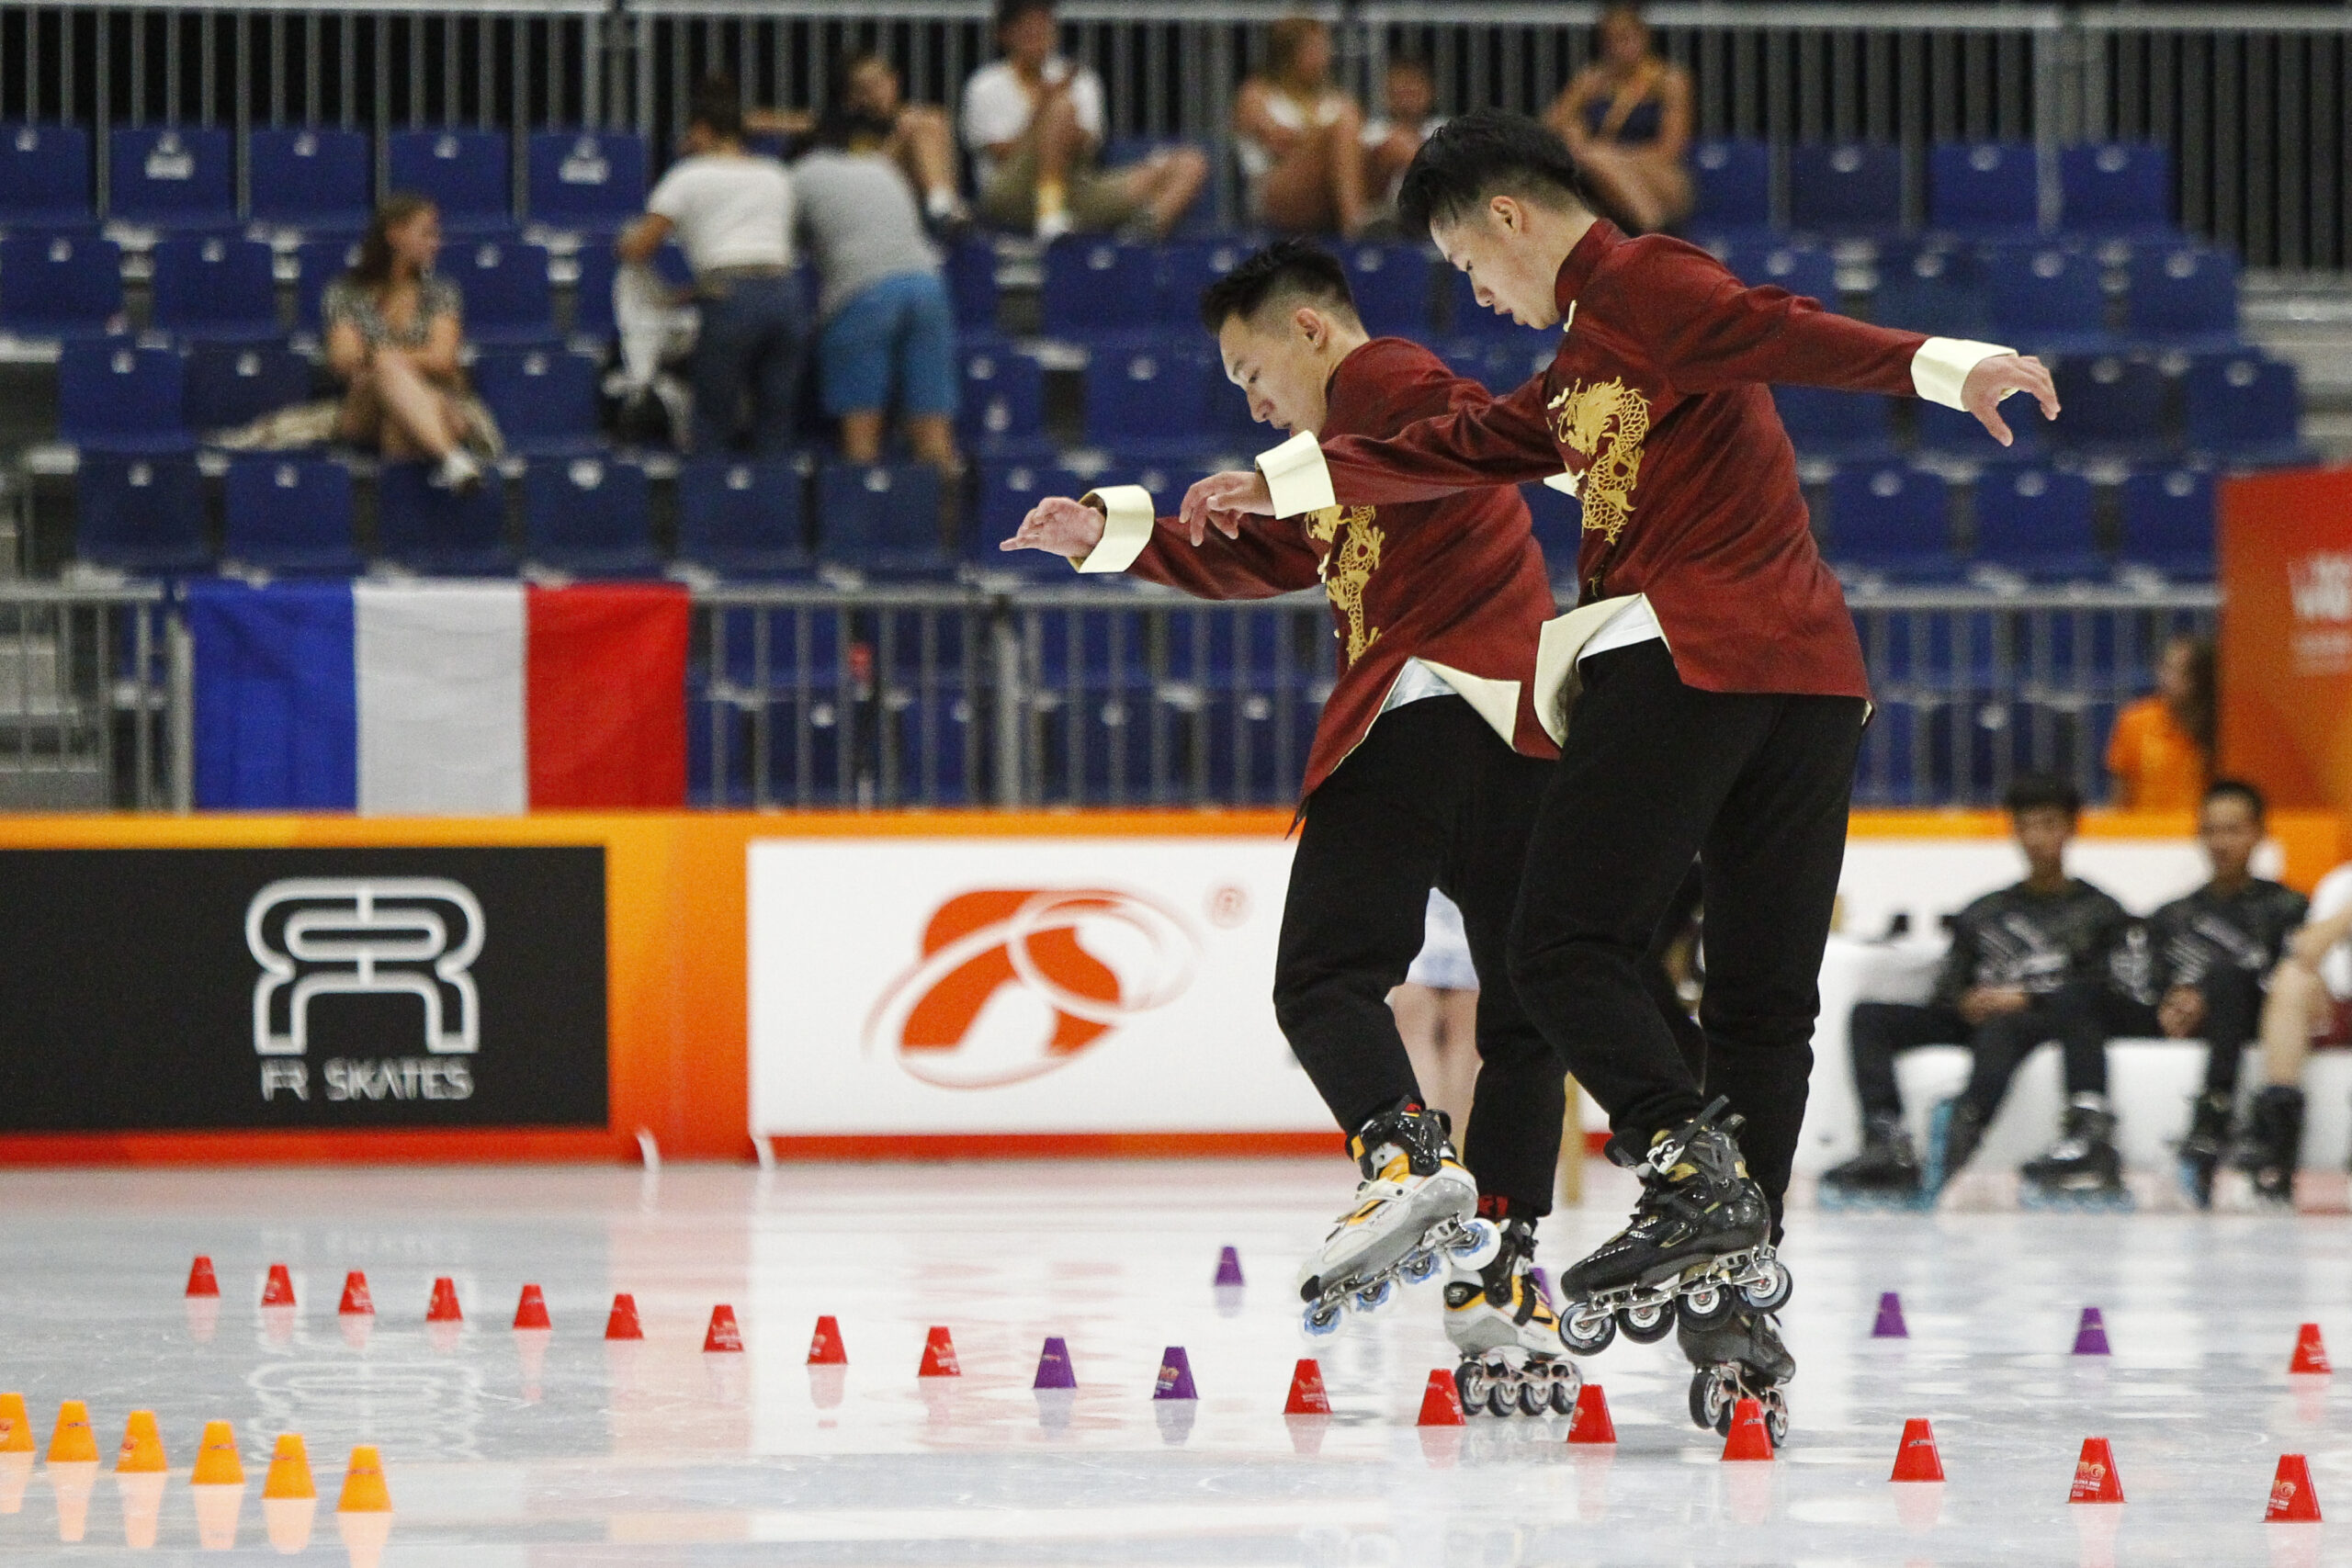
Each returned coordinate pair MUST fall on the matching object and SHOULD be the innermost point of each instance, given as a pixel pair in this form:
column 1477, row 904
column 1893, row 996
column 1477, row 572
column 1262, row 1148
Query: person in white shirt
column 2310, row 999
column 1034, row 123
column 1299, row 137
column 732, row 214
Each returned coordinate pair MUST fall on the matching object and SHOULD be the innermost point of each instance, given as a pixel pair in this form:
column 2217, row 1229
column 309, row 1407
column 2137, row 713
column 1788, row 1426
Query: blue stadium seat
column 230, row 384
column 1149, row 392
column 2185, row 294
column 1002, row 400
column 1734, row 181
column 141, row 512
column 505, row 284
column 466, row 172
column 288, row 514
column 1845, row 426
column 590, row 517
column 2167, row 522
column 589, row 180
column 184, row 177
column 2040, row 521
column 1984, row 188
column 1954, row 433
column 545, row 400
column 1891, row 520
column 310, row 176
column 319, row 262
column 1800, row 269
column 216, row 287
column 1096, row 285
column 440, row 532
column 60, row 285
column 1186, row 267
column 1845, row 187
column 2118, row 187
column 2045, row 297
column 2243, row 410
column 1391, row 284
column 970, row 266
column 44, row 177
column 881, row 517
column 116, row 396
column 1932, row 290
column 2113, row 404
column 744, row 519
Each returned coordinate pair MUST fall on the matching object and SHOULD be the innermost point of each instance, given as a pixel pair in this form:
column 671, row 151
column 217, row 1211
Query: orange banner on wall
column 2286, row 650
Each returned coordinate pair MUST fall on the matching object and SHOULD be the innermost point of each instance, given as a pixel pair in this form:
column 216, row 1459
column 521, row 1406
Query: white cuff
column 1296, row 477
column 1128, row 517
column 1942, row 364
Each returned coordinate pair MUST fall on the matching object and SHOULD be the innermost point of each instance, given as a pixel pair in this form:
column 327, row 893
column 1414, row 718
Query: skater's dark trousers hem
column 2076, row 1016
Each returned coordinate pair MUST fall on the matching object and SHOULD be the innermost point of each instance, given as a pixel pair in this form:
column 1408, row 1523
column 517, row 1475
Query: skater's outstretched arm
column 1261, row 559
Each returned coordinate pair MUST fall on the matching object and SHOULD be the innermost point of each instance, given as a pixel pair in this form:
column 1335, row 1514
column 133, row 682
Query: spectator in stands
column 920, row 139
column 1409, row 113
column 2161, row 753
column 1437, row 1012
column 1299, row 137
column 884, row 324
column 393, row 331
column 1034, row 123
column 1627, row 118
column 732, row 214
column 2027, row 964
column 2310, row 1001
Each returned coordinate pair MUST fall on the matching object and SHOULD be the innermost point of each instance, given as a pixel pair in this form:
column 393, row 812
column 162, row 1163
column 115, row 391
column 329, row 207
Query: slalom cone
column 724, row 1336
column 938, row 1357
column 2090, row 1335
column 1590, row 1423
column 1054, row 1369
column 2095, row 1477
column 825, row 1346
column 216, row 1459
column 289, row 1469
column 73, row 1483
column 2292, row 1501
column 1916, row 1458
column 364, row 1491
column 443, row 1308
column 201, row 1279
column 1228, row 1268
column 1306, row 1394
column 142, row 1497
column 15, row 1427
column 142, row 1446
column 1175, row 1380
column 72, row 1442
column 531, row 1311
column 357, row 1301
column 1889, row 1324
column 279, row 1292
column 1441, row 1402
column 621, row 1322
column 1750, row 1440
column 2311, row 1354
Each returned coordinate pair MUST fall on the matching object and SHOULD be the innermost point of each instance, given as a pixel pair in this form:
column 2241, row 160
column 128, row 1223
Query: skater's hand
column 1060, row 525
column 2181, row 1011
column 1222, row 501
column 1981, row 1003
column 2002, row 376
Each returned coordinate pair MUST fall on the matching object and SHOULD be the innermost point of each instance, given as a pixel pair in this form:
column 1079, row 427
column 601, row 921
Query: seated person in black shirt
column 2027, row 964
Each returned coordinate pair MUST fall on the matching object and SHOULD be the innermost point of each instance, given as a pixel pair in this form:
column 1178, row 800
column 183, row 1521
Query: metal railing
column 96, row 699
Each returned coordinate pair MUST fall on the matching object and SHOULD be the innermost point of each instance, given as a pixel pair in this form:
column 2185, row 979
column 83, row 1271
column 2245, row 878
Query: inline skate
column 1740, row 1357
column 2201, row 1150
column 2272, row 1144
column 1954, row 1129
column 1414, row 1211
column 1507, row 1334
column 1886, row 1175
column 2082, row 1170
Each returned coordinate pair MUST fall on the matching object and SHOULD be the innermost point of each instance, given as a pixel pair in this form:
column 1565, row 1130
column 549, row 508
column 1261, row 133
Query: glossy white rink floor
column 671, row 1457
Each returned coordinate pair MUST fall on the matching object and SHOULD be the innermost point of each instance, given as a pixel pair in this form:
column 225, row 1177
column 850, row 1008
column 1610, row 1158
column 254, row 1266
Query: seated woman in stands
column 1627, row 118
column 393, row 329
column 1300, row 139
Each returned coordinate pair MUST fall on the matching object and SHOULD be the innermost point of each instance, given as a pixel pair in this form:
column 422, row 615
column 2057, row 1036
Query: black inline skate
column 1740, row 1357
column 2082, row 1170
column 1698, row 1247
column 1506, row 1333
column 2272, row 1145
column 1886, row 1173
column 2201, row 1150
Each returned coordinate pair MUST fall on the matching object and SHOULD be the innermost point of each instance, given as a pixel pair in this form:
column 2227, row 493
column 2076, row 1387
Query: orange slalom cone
column 1306, row 1394
column 825, row 1346
column 15, row 1427
column 2311, row 1355
column 621, row 1322
column 364, row 1491
column 72, row 1442
column 2292, row 1501
column 142, row 1446
column 201, row 1279
column 531, row 1311
column 1750, row 1440
column 938, row 1356
column 1916, row 1458
column 216, row 1461
column 1590, row 1423
column 2095, row 1477
column 1441, row 1402
column 444, row 1307
column 357, row 1301
column 724, row 1336
column 279, row 1291
column 289, row 1469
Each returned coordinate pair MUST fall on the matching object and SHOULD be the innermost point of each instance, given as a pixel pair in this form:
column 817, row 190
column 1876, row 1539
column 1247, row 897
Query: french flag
column 447, row 698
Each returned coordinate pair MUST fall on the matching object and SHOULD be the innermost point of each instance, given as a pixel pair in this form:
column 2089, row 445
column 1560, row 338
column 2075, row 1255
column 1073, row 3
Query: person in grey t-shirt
column 887, row 335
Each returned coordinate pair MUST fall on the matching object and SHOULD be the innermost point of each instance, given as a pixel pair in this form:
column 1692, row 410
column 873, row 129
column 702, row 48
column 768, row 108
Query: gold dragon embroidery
column 1606, row 422
column 1349, row 565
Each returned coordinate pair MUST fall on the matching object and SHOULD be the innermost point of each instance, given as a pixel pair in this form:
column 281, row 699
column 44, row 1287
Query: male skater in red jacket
column 1718, row 693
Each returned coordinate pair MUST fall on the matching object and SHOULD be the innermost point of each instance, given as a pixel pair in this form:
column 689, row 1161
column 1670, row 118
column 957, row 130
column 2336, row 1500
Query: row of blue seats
column 2041, row 523
column 318, row 176
column 1973, row 187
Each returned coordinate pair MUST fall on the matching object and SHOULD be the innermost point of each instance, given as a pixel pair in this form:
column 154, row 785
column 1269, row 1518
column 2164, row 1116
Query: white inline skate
column 1512, row 1360
column 1413, row 1213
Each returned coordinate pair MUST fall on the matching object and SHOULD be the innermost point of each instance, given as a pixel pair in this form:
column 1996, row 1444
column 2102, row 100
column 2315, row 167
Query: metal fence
column 94, row 699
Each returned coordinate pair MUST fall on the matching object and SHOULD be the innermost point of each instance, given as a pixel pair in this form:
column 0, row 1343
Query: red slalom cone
column 1306, row 1395
column 1590, row 1423
column 1916, row 1458
column 1441, row 1402
column 2292, row 1501
column 724, row 1336
column 1749, row 1438
column 444, row 1306
column 201, row 1281
column 825, row 1346
column 2311, row 1355
column 2095, row 1477
column 938, row 1356
column 357, row 1301
column 622, row 1323
column 279, row 1291
column 531, row 1311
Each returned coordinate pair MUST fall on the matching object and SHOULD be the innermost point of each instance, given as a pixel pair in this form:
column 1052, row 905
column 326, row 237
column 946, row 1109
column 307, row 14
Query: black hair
column 1407, row 60
column 2239, row 789
column 1286, row 269
column 1011, row 11
column 1482, row 155
column 2038, row 792
column 718, row 107
column 373, row 270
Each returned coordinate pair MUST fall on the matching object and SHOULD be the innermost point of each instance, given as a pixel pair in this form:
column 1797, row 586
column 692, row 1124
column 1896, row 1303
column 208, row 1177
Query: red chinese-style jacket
column 1456, row 581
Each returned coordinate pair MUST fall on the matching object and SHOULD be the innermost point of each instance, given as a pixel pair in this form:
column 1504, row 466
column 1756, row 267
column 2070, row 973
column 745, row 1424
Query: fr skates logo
column 1015, row 982
column 411, row 936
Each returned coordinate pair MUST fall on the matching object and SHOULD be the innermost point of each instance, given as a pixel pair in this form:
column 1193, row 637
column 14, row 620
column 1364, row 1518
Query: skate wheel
column 1771, row 1290
column 1533, row 1397
column 1320, row 1322
column 1586, row 1331
column 1776, row 1417
column 1419, row 1267
column 1711, row 1405
column 1470, row 1386
column 1374, row 1297
column 1477, row 1245
column 1564, row 1395
column 1648, row 1323
column 1709, row 1306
